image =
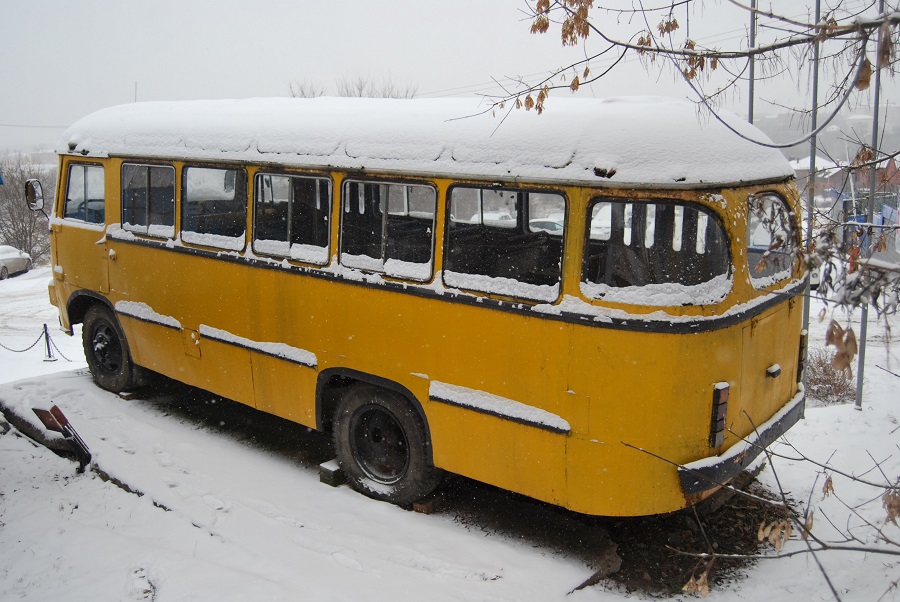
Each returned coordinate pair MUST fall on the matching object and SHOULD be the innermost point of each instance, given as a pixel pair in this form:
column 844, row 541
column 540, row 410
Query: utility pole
column 811, row 180
column 864, row 318
column 752, row 91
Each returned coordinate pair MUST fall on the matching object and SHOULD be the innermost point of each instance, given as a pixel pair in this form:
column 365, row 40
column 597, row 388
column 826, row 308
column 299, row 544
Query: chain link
column 29, row 348
column 50, row 341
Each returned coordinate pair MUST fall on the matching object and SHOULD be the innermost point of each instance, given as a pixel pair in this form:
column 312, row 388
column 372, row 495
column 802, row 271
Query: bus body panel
column 652, row 410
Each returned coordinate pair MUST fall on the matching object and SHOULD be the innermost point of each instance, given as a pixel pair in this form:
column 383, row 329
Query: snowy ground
column 224, row 516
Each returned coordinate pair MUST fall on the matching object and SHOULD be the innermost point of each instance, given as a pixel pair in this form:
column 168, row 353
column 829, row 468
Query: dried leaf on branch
column 667, row 26
column 541, row 24
column 891, row 502
column 845, row 343
column 864, row 78
column 808, row 524
column 864, row 155
column 576, row 25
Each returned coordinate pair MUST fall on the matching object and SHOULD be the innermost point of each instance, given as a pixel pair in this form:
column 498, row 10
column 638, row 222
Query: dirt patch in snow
column 639, row 554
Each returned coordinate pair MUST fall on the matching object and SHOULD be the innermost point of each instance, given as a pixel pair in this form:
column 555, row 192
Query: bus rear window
column 655, row 253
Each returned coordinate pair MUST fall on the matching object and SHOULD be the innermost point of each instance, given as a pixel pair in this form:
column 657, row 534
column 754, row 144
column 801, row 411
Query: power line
column 45, row 127
column 710, row 40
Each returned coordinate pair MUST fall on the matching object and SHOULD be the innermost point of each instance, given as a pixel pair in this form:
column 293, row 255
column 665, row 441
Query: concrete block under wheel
column 330, row 474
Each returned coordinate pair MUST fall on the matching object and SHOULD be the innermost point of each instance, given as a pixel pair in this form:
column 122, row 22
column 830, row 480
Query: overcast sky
column 65, row 59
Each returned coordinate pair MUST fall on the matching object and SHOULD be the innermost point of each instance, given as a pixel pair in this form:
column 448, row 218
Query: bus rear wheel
column 381, row 446
column 106, row 350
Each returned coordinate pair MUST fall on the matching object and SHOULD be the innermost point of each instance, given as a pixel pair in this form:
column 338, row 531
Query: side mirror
column 34, row 195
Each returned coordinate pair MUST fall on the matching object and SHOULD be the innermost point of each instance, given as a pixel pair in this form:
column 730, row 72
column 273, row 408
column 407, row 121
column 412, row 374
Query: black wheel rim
column 106, row 347
column 379, row 444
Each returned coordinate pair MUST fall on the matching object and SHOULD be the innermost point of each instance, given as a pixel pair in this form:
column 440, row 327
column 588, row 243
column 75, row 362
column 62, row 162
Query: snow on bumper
column 709, row 473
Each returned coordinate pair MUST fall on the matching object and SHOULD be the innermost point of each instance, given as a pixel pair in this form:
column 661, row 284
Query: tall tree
column 19, row 226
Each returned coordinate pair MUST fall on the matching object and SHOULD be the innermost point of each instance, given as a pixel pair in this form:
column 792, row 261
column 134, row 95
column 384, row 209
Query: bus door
column 80, row 250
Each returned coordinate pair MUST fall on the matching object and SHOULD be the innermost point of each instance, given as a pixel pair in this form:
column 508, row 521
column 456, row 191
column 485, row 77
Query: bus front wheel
column 106, row 350
column 380, row 443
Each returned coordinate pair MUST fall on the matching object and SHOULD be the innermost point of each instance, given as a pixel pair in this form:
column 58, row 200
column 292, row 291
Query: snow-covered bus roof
column 628, row 141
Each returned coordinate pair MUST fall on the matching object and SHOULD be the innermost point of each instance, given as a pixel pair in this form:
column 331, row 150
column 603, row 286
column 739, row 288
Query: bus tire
column 380, row 443
column 106, row 350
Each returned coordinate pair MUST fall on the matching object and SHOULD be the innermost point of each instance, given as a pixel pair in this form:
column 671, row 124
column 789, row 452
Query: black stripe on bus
column 221, row 340
column 678, row 325
column 516, row 419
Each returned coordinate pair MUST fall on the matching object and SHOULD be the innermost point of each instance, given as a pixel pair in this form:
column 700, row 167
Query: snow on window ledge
column 670, row 294
column 272, row 247
column 155, row 230
column 506, row 287
column 309, row 254
column 229, row 243
column 771, row 280
column 362, row 262
column 304, row 253
column 406, row 269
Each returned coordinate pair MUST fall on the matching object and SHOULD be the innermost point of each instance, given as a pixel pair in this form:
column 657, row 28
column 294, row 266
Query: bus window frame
column 639, row 242
column 64, row 205
column 522, row 225
column 764, row 282
column 145, row 230
column 348, row 205
column 210, row 238
column 253, row 198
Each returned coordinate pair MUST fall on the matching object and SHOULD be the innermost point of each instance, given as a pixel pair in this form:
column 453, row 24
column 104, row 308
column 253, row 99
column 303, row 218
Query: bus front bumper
column 711, row 473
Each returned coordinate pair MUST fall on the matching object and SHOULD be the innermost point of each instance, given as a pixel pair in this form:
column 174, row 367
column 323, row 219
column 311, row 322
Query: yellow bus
column 598, row 307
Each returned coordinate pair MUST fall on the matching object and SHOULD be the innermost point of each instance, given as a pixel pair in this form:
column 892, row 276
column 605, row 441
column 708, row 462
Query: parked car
column 546, row 225
column 13, row 261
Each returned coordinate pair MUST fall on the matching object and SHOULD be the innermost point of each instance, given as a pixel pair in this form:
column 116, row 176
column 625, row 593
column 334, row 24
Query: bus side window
column 389, row 228
column 214, row 207
column 509, row 234
column 291, row 217
column 85, row 196
column 148, row 199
